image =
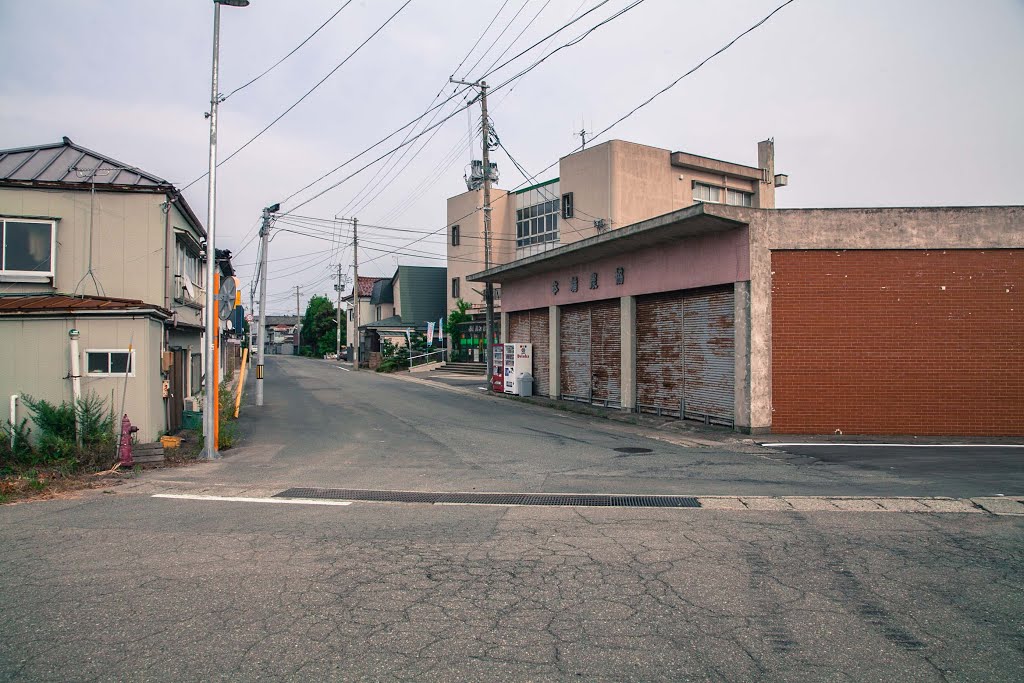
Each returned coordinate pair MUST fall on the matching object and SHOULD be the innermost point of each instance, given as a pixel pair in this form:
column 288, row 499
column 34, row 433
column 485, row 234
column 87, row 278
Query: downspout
column 14, row 418
column 76, row 383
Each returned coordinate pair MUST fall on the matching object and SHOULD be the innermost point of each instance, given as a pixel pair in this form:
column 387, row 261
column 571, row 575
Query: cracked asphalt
column 118, row 585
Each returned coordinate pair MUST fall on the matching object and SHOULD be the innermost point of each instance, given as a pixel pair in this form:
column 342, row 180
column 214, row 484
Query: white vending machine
column 518, row 359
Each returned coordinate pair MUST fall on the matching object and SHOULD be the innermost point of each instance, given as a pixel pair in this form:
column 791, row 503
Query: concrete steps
column 473, row 369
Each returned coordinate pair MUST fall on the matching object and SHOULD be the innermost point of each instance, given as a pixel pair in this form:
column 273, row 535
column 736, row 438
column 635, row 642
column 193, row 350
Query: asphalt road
column 120, row 585
column 968, row 470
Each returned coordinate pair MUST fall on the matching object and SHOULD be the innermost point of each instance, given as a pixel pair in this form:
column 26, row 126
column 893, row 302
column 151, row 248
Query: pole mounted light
column 212, row 323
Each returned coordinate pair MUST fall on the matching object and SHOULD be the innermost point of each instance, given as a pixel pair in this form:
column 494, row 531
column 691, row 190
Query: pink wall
column 690, row 262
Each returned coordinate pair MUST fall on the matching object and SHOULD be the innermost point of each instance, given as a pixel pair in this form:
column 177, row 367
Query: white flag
column 430, row 333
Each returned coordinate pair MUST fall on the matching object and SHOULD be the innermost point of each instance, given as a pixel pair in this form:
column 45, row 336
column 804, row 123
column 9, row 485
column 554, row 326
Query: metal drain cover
column 633, row 449
column 552, row 499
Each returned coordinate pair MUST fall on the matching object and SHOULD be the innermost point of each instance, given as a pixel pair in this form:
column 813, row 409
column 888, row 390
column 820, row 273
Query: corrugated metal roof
column 62, row 303
column 67, row 163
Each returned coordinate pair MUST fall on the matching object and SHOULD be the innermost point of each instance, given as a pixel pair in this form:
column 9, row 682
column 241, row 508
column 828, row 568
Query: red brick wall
column 898, row 342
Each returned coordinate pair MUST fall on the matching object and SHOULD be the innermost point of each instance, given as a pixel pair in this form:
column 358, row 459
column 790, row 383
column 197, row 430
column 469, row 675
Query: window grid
column 109, row 363
column 739, row 198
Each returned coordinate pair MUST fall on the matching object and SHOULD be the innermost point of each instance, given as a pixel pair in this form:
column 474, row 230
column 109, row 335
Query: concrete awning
column 699, row 219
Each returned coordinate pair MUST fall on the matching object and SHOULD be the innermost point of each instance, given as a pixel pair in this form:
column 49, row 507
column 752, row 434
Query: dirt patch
column 43, row 484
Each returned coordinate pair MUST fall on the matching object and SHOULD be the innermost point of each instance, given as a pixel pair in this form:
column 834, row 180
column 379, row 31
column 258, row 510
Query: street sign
column 248, row 317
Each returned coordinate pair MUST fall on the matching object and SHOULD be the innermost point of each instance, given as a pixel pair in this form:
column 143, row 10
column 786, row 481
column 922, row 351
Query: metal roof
column 66, row 163
column 62, row 303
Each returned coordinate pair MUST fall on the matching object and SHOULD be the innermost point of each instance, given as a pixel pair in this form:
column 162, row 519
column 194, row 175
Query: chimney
column 766, row 162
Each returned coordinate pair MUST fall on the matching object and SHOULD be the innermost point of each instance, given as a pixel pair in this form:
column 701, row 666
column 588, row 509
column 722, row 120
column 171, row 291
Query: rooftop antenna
column 583, row 132
column 91, row 174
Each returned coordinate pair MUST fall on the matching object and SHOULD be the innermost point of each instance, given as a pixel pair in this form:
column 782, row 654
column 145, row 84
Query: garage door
column 590, row 350
column 685, row 354
column 532, row 327
column 898, row 342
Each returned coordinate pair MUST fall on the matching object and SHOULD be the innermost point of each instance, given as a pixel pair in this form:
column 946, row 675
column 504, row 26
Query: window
column 378, row 313
column 537, row 224
column 567, row 205
column 455, row 235
column 706, row 193
column 351, row 314
column 110, row 363
column 737, row 198
column 187, row 264
column 455, row 288
column 197, row 372
column 26, row 247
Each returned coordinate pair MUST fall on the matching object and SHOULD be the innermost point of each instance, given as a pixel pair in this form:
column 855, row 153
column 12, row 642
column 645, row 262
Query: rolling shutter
column 659, row 353
column 541, row 351
column 709, row 356
column 605, row 352
column 574, row 352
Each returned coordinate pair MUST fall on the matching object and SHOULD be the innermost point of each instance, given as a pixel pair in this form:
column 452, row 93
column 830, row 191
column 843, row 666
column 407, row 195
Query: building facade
column 600, row 189
column 874, row 321
column 95, row 245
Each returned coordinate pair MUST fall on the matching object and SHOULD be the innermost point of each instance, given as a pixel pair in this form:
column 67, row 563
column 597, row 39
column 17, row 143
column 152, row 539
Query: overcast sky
column 871, row 103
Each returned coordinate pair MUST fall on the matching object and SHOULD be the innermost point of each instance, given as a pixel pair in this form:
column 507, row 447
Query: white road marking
column 341, row 368
column 901, row 445
column 231, row 499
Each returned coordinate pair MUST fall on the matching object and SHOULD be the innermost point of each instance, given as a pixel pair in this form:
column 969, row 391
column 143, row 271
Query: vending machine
column 518, row 359
column 498, row 369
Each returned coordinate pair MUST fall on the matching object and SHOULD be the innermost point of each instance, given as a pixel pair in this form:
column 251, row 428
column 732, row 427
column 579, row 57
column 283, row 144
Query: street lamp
column 212, row 321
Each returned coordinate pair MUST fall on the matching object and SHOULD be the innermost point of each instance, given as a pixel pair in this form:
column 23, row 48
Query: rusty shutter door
column 709, row 356
column 541, row 351
column 605, row 352
column 574, row 352
column 659, row 353
column 519, row 327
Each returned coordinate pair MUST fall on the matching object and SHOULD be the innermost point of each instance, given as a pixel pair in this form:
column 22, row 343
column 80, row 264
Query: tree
column 456, row 318
column 318, row 327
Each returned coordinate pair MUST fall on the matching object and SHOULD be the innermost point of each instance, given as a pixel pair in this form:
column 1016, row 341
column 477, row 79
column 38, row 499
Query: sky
column 870, row 103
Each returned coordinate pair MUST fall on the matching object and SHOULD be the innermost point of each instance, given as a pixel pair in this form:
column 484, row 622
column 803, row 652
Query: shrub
column 228, row 428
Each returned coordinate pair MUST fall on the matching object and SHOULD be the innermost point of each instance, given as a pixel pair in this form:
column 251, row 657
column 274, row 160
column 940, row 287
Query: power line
column 296, row 49
column 424, row 114
column 308, row 93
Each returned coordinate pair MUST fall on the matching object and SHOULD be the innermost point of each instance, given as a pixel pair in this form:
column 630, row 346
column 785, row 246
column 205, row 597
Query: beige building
column 95, row 245
column 603, row 188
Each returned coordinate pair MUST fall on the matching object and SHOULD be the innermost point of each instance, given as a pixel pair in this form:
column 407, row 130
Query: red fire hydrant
column 124, row 448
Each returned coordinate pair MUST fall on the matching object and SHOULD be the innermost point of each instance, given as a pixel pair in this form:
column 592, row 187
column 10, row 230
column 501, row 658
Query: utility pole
column 298, row 320
column 355, row 293
column 337, row 311
column 261, row 331
column 488, row 287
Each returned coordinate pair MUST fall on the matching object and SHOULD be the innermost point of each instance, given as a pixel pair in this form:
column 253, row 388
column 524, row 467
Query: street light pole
column 212, row 321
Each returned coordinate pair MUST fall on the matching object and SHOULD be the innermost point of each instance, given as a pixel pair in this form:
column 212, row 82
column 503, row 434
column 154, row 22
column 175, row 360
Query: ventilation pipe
column 76, row 382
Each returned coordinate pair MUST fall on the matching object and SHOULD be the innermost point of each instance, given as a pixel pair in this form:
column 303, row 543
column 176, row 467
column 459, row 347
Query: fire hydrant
column 124, row 447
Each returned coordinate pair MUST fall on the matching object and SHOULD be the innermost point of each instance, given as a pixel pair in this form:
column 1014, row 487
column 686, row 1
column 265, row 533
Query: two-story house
column 97, row 247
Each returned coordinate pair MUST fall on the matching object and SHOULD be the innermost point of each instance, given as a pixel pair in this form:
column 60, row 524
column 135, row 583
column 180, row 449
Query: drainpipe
column 76, row 382
column 14, row 417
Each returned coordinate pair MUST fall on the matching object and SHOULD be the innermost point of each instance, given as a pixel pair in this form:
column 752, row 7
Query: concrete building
column 873, row 321
column 96, row 245
column 600, row 189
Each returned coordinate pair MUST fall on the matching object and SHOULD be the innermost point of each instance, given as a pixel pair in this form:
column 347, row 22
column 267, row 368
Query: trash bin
column 192, row 420
column 525, row 382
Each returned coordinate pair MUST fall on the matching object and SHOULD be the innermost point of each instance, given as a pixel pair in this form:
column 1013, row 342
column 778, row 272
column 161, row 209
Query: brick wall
column 898, row 342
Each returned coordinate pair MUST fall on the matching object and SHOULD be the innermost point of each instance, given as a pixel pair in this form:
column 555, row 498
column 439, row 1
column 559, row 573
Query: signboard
column 498, row 371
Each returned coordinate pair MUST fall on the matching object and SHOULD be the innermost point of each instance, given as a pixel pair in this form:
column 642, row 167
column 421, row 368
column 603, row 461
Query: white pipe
column 14, row 417
column 76, row 382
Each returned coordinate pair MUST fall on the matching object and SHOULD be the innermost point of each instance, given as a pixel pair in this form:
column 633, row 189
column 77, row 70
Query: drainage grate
column 559, row 499
column 633, row 449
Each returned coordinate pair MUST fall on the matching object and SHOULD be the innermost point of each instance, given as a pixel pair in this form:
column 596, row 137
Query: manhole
column 552, row 499
column 633, row 449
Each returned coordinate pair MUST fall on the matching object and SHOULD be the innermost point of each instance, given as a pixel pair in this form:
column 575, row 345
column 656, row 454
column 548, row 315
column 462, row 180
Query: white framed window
column 109, row 363
column 187, row 264
column 27, row 247
column 739, row 198
column 707, row 193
